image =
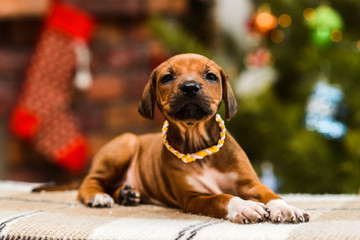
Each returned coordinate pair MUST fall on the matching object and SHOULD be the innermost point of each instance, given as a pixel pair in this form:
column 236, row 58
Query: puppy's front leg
column 108, row 166
column 193, row 198
column 251, row 188
column 227, row 206
column 280, row 211
column 92, row 190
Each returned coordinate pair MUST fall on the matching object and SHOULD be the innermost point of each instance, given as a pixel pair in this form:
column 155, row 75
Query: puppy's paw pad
column 101, row 200
column 128, row 196
column 245, row 212
column 281, row 212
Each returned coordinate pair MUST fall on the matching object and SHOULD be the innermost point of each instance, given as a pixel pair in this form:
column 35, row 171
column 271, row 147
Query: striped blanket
column 57, row 215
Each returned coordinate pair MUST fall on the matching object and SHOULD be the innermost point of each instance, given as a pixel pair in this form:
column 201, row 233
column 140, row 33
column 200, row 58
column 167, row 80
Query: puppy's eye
column 167, row 78
column 211, row 77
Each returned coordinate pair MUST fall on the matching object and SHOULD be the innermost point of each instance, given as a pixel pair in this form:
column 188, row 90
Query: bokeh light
column 265, row 21
column 321, row 35
column 321, row 111
column 336, row 35
column 277, row 36
column 284, row 20
column 326, row 17
column 309, row 14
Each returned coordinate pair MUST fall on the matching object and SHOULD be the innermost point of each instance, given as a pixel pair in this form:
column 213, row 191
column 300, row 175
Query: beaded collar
column 190, row 157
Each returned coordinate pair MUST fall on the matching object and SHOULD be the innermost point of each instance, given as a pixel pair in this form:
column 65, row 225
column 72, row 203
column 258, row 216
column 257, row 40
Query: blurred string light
column 277, row 36
column 323, row 105
column 326, row 24
column 264, row 21
column 336, row 36
column 284, row 20
column 358, row 44
column 309, row 14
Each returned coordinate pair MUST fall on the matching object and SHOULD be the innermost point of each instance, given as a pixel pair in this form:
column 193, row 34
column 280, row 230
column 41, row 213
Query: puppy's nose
column 190, row 89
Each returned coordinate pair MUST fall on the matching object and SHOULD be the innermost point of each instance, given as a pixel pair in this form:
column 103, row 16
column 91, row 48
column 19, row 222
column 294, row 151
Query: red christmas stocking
column 41, row 115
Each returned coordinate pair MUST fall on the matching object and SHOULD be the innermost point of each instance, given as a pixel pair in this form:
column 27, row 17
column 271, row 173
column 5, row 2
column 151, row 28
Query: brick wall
column 123, row 54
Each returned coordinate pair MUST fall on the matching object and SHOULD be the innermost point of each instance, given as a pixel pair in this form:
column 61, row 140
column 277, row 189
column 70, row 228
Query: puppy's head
column 187, row 87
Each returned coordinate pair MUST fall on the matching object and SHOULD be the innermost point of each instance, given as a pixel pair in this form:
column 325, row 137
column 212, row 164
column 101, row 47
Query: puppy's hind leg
column 109, row 164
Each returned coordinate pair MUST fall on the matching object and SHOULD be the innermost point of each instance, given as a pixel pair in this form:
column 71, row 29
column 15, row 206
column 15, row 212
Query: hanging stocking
column 41, row 115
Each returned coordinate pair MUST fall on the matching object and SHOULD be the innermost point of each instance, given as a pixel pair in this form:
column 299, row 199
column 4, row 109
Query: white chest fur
column 212, row 181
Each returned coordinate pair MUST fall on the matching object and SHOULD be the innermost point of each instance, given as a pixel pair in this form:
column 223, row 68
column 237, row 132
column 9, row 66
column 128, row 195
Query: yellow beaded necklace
column 190, row 157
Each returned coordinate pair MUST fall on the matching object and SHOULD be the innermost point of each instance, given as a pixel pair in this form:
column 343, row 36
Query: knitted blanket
column 57, row 215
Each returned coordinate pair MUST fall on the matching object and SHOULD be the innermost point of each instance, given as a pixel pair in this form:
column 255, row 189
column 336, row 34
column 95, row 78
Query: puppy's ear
column 147, row 103
column 228, row 96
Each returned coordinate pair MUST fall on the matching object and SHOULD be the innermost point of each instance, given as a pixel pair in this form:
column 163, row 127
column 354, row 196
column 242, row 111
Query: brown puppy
column 188, row 89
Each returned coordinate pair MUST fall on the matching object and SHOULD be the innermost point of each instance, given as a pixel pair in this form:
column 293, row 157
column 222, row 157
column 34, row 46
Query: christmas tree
column 304, row 118
column 297, row 89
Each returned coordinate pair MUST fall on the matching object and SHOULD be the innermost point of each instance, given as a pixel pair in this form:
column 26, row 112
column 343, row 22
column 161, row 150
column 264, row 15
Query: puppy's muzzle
column 190, row 103
column 190, row 89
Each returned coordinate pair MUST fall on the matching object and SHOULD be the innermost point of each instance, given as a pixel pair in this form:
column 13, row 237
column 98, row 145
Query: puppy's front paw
column 246, row 211
column 281, row 212
column 101, row 200
column 128, row 196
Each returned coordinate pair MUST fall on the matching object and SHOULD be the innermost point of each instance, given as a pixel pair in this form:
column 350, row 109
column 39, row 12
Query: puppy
column 195, row 164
